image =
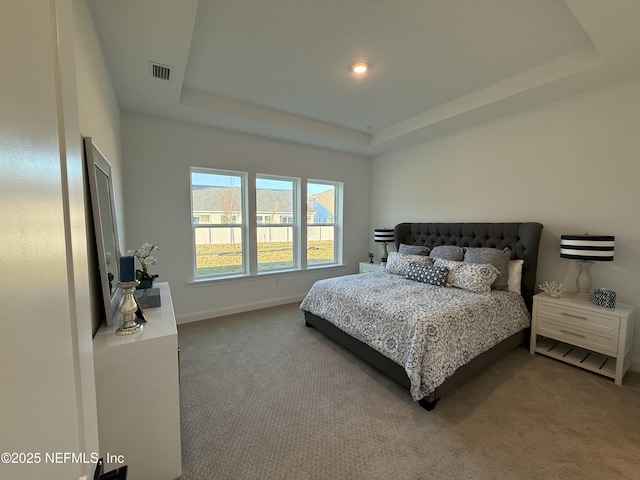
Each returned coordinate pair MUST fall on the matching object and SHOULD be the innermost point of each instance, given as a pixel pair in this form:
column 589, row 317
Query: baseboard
column 238, row 308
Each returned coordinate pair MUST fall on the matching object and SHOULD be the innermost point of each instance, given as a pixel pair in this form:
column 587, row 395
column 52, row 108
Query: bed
column 431, row 338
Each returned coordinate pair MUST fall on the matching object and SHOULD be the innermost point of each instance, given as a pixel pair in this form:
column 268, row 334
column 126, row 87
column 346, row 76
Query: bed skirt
column 397, row 372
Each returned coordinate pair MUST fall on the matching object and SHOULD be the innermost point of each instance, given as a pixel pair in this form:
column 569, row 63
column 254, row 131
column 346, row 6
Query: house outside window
column 218, row 202
column 276, row 240
column 235, row 237
column 323, row 207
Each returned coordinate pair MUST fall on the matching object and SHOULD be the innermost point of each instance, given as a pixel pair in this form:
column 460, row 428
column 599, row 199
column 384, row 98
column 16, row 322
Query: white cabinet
column 576, row 331
column 370, row 267
column 138, row 395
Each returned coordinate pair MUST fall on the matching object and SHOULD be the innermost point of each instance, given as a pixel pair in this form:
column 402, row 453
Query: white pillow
column 515, row 275
column 398, row 263
column 475, row 277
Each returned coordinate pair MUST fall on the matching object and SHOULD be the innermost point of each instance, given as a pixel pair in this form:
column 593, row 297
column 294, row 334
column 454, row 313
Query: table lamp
column 384, row 236
column 586, row 249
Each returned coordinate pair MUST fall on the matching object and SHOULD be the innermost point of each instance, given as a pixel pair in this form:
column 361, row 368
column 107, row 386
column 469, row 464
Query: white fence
column 231, row 235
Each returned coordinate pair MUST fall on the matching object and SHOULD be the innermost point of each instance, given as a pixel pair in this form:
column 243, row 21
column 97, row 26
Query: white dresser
column 138, row 395
column 576, row 331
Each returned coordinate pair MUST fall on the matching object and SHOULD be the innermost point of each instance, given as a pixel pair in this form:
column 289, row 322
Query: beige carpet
column 264, row 397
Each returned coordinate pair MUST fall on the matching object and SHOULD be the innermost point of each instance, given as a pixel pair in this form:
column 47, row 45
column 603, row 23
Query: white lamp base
column 583, row 281
column 383, row 259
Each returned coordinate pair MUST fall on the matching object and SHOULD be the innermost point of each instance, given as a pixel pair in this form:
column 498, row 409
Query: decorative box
column 603, row 297
column 148, row 297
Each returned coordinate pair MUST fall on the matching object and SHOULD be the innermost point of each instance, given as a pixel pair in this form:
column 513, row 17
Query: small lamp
column 384, row 236
column 586, row 249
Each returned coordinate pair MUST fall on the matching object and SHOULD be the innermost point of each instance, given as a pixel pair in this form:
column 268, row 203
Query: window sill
column 206, row 282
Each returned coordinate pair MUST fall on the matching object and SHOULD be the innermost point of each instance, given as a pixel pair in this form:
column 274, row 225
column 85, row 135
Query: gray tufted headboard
column 522, row 238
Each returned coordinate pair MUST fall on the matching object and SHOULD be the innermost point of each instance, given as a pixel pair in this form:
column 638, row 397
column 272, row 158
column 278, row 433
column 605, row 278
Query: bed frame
column 522, row 238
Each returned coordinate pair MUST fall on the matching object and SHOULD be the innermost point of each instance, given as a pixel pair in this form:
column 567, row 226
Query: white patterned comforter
column 430, row 330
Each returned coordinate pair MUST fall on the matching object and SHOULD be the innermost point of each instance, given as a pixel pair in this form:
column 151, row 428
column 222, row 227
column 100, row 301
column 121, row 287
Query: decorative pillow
column 413, row 249
column 515, row 275
column 475, row 277
column 398, row 263
column 431, row 274
column 448, row 252
column 496, row 257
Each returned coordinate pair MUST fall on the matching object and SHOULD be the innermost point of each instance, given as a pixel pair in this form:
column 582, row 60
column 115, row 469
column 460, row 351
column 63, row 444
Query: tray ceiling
column 281, row 68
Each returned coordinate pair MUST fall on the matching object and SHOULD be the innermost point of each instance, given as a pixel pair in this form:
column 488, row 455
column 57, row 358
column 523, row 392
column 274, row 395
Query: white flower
column 149, row 260
column 143, row 254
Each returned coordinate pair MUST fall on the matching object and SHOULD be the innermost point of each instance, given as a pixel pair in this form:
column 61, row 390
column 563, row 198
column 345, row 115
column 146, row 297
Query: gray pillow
column 475, row 277
column 448, row 252
column 496, row 257
column 397, row 263
column 413, row 249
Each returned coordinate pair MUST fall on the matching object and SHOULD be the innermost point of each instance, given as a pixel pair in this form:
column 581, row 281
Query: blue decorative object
column 603, row 297
column 127, row 269
column 427, row 274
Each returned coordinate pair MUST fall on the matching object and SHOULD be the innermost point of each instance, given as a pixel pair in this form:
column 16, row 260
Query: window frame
column 294, row 226
column 249, row 224
column 243, row 225
column 336, row 224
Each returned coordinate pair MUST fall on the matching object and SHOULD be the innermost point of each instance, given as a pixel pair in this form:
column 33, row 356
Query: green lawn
column 227, row 259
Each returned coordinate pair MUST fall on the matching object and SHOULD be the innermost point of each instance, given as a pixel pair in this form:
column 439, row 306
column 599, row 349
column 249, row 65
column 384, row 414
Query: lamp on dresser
column 586, row 249
column 384, row 236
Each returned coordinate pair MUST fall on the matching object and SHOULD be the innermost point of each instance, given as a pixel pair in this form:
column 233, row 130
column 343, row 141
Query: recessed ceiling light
column 360, row 67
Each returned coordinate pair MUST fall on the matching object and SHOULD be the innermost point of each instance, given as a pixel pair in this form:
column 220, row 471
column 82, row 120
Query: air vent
column 160, row 71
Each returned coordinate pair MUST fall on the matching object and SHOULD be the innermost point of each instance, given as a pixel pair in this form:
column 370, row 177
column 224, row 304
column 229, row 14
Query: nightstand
column 575, row 331
column 370, row 267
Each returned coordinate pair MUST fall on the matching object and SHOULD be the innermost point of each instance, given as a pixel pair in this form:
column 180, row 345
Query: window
column 234, row 235
column 218, row 212
column 275, row 235
column 322, row 231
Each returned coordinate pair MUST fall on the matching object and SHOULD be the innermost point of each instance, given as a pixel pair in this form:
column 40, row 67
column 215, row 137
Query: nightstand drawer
column 582, row 319
column 607, row 344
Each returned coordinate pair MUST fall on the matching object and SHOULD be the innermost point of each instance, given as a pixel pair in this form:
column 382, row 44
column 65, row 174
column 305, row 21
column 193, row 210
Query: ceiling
column 281, row 68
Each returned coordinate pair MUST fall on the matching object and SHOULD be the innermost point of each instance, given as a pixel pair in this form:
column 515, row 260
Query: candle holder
column 128, row 309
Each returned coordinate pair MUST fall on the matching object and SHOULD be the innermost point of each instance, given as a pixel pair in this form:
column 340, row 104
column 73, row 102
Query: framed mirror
column 105, row 227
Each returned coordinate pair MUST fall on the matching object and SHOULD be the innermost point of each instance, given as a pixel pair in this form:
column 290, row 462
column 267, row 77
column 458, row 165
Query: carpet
column 264, row 397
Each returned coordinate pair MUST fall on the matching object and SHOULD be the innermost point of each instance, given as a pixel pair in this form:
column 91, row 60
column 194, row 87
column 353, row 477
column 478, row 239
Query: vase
column 146, row 283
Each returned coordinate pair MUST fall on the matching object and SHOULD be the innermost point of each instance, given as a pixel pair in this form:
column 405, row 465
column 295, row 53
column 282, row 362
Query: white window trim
column 244, row 227
column 295, row 227
column 337, row 221
column 249, row 227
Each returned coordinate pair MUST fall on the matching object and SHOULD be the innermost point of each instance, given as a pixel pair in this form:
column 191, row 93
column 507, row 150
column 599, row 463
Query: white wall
column 98, row 108
column 157, row 156
column 48, row 397
column 573, row 165
column 98, row 116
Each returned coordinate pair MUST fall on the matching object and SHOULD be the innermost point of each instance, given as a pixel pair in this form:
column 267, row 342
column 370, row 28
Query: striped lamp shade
column 383, row 235
column 597, row 248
